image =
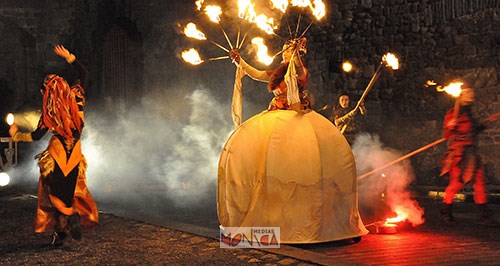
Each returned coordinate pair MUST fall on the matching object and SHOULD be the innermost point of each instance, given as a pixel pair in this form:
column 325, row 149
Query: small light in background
column 10, row 119
column 347, row 66
column 4, row 179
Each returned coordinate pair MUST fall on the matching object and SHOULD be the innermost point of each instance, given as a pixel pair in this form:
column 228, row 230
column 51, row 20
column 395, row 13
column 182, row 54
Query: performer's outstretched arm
column 27, row 136
column 252, row 72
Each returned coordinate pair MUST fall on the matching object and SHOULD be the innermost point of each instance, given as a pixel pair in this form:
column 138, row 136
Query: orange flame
column 198, row 4
column 192, row 32
column 282, row 5
column 243, row 7
column 192, row 56
column 454, row 89
column 301, row 3
column 213, row 12
column 391, row 61
column 247, row 12
column 262, row 50
column 401, row 216
column 318, row 9
column 264, row 23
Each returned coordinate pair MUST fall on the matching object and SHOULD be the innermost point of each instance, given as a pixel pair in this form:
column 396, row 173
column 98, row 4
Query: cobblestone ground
column 116, row 241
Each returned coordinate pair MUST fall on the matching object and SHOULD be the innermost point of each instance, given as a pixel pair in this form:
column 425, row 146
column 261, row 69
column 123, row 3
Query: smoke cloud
column 389, row 187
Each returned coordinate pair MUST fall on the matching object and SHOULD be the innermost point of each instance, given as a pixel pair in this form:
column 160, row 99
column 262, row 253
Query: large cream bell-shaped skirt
column 296, row 172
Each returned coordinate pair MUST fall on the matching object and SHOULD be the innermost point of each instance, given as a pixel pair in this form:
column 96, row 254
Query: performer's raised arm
column 259, row 75
column 82, row 73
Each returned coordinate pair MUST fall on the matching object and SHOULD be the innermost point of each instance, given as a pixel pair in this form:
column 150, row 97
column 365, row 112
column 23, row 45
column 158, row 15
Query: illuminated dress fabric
column 293, row 171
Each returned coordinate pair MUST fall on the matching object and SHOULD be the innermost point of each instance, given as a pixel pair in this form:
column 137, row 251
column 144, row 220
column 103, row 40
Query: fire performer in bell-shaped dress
column 462, row 162
column 64, row 202
column 289, row 166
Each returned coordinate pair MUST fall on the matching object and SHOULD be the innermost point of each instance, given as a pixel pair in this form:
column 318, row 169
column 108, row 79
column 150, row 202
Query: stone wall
column 434, row 39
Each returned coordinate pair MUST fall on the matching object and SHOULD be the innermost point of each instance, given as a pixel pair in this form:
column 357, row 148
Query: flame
column 192, row 56
column 264, row 23
column 454, row 89
column 401, row 216
column 10, row 119
column 243, row 6
column 192, row 32
column 262, row 50
column 247, row 12
column 430, row 83
column 318, row 9
column 301, row 3
column 391, row 61
column 213, row 12
column 198, row 4
column 282, row 5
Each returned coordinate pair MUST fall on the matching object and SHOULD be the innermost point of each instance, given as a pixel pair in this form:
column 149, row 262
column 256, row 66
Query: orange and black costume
column 62, row 189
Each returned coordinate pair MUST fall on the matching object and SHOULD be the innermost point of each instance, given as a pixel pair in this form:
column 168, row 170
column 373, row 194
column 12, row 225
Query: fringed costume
column 63, row 197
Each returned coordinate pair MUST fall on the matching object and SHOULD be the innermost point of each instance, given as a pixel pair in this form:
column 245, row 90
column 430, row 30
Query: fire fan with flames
column 255, row 17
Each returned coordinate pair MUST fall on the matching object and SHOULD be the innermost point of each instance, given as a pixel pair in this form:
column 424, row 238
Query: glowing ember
column 192, row 32
column 347, row 66
column 10, row 119
column 391, row 61
column 198, row 4
column 262, row 50
column 213, row 12
column 192, row 56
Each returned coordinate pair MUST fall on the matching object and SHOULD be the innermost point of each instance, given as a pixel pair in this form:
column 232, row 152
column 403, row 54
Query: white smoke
column 388, row 186
column 166, row 147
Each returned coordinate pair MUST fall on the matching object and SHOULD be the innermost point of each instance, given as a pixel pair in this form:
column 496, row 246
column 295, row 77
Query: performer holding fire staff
column 343, row 115
column 64, row 202
column 462, row 162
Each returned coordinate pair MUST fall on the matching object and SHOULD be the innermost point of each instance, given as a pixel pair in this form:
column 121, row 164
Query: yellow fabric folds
column 296, row 172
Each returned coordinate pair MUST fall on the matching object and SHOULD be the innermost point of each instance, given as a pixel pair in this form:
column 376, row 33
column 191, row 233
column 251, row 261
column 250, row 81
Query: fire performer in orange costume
column 64, row 202
column 462, row 162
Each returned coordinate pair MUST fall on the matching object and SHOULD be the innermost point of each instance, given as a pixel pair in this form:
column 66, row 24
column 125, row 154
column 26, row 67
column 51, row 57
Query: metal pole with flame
column 389, row 60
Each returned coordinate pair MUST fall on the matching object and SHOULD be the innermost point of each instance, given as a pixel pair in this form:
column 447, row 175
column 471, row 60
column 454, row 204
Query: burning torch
column 389, row 60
